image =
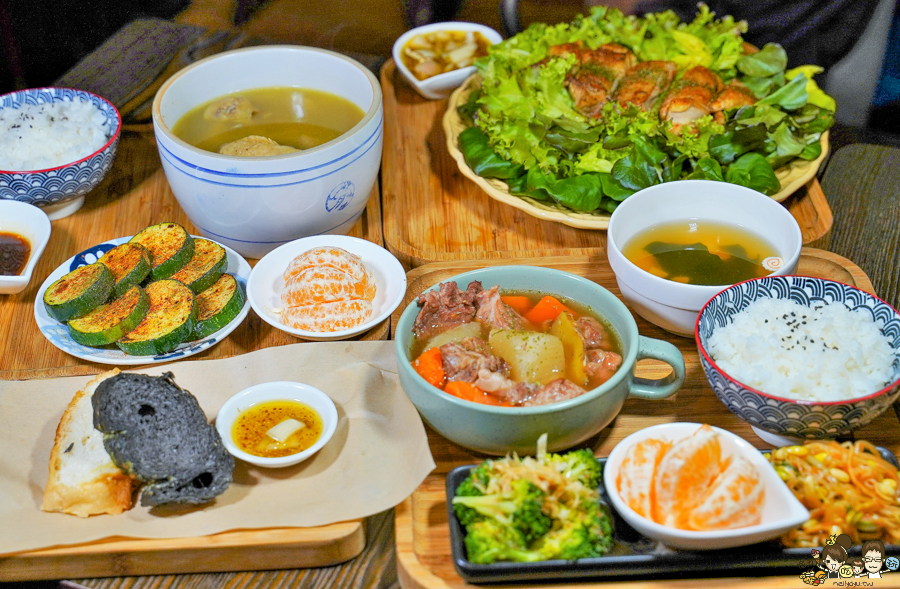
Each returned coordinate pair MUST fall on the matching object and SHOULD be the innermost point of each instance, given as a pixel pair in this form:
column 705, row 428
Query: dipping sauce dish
column 30, row 224
column 280, row 392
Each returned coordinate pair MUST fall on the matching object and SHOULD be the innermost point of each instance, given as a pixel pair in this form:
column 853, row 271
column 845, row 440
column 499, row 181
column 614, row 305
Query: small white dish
column 782, row 511
column 33, row 224
column 267, row 281
column 441, row 85
column 277, row 391
column 58, row 334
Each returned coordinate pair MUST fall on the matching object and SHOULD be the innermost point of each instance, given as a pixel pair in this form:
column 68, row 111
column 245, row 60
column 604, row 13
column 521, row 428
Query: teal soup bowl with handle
column 497, row 430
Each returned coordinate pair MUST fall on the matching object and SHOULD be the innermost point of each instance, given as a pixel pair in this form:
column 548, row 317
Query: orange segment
column 683, row 475
column 636, row 474
column 328, row 316
column 334, row 257
column 735, row 499
column 321, row 284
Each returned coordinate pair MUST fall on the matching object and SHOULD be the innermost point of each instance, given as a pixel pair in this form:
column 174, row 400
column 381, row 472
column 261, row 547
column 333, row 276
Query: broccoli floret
column 585, row 533
column 488, row 541
column 521, row 508
column 579, row 465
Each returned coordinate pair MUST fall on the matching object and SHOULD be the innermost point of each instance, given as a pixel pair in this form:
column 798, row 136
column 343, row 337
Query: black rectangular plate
column 634, row 555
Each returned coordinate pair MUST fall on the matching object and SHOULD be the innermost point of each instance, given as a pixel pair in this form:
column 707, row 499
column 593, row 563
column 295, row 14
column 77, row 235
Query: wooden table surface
column 859, row 183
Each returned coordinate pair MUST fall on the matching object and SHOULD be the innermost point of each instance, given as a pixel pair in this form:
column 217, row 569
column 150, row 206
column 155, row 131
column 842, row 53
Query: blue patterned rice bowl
column 71, row 180
column 791, row 417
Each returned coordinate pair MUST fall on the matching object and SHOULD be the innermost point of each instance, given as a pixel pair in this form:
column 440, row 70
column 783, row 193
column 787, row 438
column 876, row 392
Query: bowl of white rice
column 800, row 357
column 56, row 145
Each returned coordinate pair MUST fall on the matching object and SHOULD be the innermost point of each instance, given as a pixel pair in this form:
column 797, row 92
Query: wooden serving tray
column 135, row 194
column 432, row 213
column 421, row 530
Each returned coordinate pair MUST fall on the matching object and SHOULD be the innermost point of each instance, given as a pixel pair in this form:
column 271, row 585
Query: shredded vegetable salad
column 532, row 509
column 847, row 487
column 555, row 123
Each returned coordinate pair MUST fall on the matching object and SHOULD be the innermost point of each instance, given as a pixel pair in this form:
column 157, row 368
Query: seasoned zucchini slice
column 79, row 292
column 109, row 322
column 209, row 262
column 170, row 247
column 169, row 321
column 218, row 305
column 130, row 264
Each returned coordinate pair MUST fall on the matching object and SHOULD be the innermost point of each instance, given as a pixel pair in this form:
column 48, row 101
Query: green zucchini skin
column 170, row 247
column 79, row 292
column 217, row 306
column 206, row 266
column 111, row 321
column 169, row 321
column 129, row 263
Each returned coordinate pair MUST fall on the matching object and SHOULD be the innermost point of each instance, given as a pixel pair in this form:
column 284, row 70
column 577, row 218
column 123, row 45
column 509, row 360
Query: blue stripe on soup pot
column 350, row 221
column 185, row 166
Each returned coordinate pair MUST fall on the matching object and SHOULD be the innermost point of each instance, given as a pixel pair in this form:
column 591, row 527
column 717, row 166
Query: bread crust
column 83, row 479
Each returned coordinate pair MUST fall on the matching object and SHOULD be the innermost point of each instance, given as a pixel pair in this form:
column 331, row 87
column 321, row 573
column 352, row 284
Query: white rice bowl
column 50, row 135
column 825, row 353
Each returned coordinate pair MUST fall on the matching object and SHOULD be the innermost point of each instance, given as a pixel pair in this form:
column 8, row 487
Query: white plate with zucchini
column 111, row 313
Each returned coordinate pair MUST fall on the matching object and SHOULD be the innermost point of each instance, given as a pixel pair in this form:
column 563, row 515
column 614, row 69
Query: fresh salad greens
column 526, row 130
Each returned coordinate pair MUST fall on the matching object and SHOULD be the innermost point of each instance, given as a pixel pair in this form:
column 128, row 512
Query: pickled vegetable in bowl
column 436, row 52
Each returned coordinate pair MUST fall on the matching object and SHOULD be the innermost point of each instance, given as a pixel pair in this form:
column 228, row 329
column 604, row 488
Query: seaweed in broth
column 700, row 252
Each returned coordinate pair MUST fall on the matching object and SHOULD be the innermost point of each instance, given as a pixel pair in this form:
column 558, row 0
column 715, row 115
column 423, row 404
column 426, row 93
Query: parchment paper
column 377, row 457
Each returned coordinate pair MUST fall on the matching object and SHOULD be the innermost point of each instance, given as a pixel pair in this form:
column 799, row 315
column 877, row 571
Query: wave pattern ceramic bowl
column 60, row 191
column 788, row 417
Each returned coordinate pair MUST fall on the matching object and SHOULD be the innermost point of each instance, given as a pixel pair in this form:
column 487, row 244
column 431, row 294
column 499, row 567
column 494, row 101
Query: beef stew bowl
column 265, row 145
column 494, row 338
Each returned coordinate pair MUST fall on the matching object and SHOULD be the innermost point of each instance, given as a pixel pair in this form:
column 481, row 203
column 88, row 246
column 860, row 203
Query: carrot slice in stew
column 519, row 303
column 546, row 309
column 469, row 392
column 430, row 366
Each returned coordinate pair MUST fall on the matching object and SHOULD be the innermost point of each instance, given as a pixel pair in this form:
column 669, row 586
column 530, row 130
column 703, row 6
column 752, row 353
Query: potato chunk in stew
column 532, row 356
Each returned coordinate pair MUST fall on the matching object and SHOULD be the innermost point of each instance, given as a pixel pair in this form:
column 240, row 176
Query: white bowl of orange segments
column 718, row 490
column 354, row 278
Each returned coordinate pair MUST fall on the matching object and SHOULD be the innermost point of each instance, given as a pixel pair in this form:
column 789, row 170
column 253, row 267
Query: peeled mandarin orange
column 327, row 316
column 734, row 500
column 637, row 472
column 333, row 257
column 684, row 474
column 321, row 284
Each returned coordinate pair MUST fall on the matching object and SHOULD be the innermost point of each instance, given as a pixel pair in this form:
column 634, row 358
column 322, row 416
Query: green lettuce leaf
column 752, row 170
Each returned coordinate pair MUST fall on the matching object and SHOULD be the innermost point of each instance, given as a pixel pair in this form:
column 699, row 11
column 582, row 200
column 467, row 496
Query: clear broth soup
column 700, row 252
column 296, row 117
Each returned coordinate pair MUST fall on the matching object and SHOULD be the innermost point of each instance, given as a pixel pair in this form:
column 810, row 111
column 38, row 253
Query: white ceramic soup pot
column 673, row 305
column 255, row 204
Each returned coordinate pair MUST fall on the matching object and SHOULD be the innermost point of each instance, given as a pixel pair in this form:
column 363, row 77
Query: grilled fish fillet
column 593, row 78
column 83, row 479
column 690, row 97
column 735, row 95
column 644, row 82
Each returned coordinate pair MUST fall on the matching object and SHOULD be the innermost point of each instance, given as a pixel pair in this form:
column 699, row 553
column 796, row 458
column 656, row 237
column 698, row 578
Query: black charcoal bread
column 156, row 431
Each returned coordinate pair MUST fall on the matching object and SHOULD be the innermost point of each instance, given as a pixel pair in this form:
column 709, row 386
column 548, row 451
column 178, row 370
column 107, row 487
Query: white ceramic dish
column 34, row 225
column 272, row 391
column 441, row 85
column 58, row 334
column 672, row 305
column 255, row 204
column 781, row 511
column 267, row 280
